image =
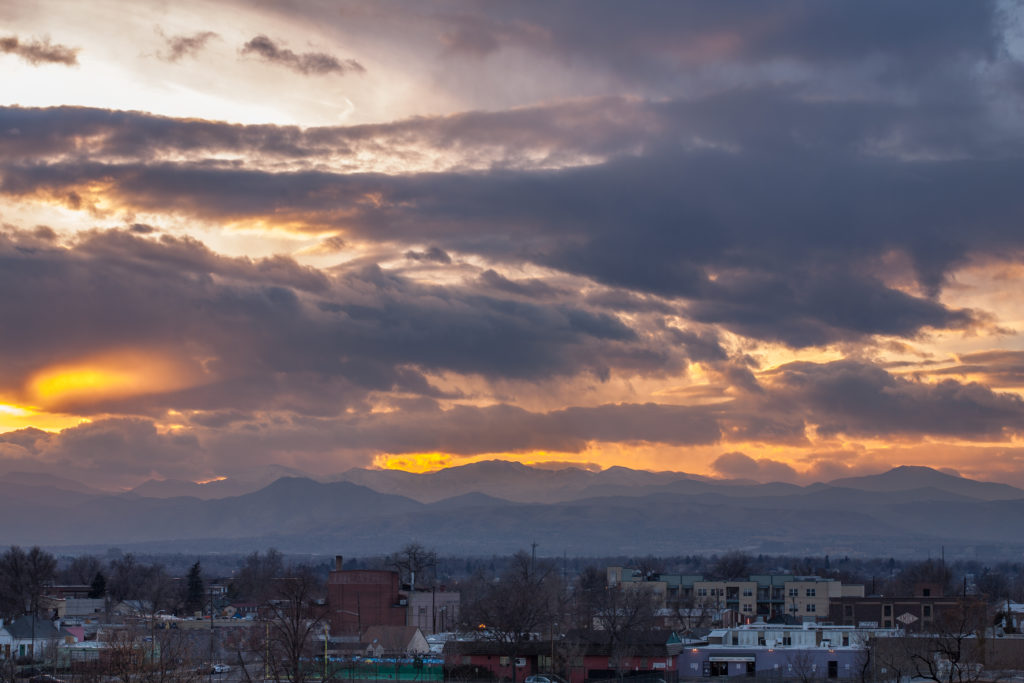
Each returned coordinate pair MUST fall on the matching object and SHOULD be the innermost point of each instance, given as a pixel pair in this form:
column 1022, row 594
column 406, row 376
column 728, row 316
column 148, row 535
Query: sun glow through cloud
column 109, row 376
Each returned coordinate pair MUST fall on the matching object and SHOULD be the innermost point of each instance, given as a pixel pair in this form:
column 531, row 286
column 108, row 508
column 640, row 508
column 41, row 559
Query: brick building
column 358, row 599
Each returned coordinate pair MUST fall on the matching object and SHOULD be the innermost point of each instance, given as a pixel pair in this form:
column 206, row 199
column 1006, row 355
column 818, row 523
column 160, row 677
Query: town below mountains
column 497, row 507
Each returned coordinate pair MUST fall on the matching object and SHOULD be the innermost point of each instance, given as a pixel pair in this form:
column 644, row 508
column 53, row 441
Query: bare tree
column 802, row 666
column 255, row 579
column 650, row 566
column 136, row 653
column 81, row 570
column 734, row 564
column 691, row 613
column 509, row 609
column 294, row 619
column 587, row 596
column 415, row 563
column 890, row 659
column 929, row 571
column 23, row 576
column 625, row 620
column 955, row 651
column 127, row 578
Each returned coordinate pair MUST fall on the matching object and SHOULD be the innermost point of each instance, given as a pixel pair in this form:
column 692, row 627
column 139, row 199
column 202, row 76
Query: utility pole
column 210, row 673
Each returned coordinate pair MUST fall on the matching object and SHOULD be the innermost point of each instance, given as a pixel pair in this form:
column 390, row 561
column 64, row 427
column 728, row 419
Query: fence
column 381, row 669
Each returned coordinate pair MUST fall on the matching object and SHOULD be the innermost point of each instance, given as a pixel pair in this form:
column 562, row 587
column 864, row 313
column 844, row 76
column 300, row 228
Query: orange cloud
column 413, row 462
column 14, row 417
column 112, row 375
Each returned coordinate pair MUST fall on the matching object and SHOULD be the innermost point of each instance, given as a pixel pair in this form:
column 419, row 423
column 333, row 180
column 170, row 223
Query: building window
column 503, row 661
column 848, row 611
column 846, row 640
column 811, row 592
column 927, row 611
column 747, row 607
column 927, row 592
column 747, row 592
column 887, row 611
column 793, row 592
column 787, row 639
column 702, row 591
column 887, row 623
column 811, row 607
column 466, row 661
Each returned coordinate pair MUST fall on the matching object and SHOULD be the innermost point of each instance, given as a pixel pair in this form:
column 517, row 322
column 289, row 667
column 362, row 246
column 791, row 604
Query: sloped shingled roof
column 21, row 629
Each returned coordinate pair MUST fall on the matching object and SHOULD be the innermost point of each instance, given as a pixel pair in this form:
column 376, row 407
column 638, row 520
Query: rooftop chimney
column 337, row 563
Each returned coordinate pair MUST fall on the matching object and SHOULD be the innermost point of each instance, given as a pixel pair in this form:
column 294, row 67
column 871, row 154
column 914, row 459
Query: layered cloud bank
column 782, row 243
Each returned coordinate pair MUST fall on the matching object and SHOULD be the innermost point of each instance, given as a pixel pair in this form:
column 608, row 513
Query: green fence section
column 383, row 670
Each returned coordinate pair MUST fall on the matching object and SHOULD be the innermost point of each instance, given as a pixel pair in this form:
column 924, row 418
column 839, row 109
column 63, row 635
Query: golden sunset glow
column 110, row 376
column 14, row 417
column 600, row 455
column 413, row 462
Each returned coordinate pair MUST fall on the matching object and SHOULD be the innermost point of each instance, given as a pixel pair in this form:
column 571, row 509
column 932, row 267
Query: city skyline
column 776, row 242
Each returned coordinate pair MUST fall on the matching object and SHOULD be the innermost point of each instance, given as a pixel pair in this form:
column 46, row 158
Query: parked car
column 220, row 669
column 544, row 678
column 45, row 678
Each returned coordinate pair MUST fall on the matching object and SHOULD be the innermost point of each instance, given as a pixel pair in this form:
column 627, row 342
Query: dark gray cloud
column 736, row 465
column 863, row 400
column 433, row 254
column 1002, row 368
column 670, row 46
column 789, row 263
column 557, row 133
column 317, row 63
column 533, row 288
column 469, row 430
column 109, row 451
column 270, row 333
column 827, row 193
column 180, row 46
column 37, row 52
column 227, row 441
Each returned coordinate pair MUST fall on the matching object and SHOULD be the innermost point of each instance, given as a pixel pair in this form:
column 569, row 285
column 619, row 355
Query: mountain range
column 500, row 507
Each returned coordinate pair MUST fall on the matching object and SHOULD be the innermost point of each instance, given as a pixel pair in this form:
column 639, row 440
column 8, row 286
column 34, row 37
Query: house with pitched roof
column 30, row 637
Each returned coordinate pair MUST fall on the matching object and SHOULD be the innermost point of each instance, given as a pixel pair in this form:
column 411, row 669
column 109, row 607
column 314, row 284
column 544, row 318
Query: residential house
column 395, row 641
column 29, row 637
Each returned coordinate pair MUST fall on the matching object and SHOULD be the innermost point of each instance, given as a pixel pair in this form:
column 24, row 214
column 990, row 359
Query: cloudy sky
column 781, row 241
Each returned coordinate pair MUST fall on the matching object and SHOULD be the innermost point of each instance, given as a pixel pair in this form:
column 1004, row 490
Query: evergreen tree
column 98, row 588
column 195, row 589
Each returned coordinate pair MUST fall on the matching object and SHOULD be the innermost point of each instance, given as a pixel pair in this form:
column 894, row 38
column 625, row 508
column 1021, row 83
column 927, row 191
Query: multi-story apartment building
column 804, row 598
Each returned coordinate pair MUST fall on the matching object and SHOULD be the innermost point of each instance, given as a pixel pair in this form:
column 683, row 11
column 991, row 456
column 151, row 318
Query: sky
column 772, row 241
